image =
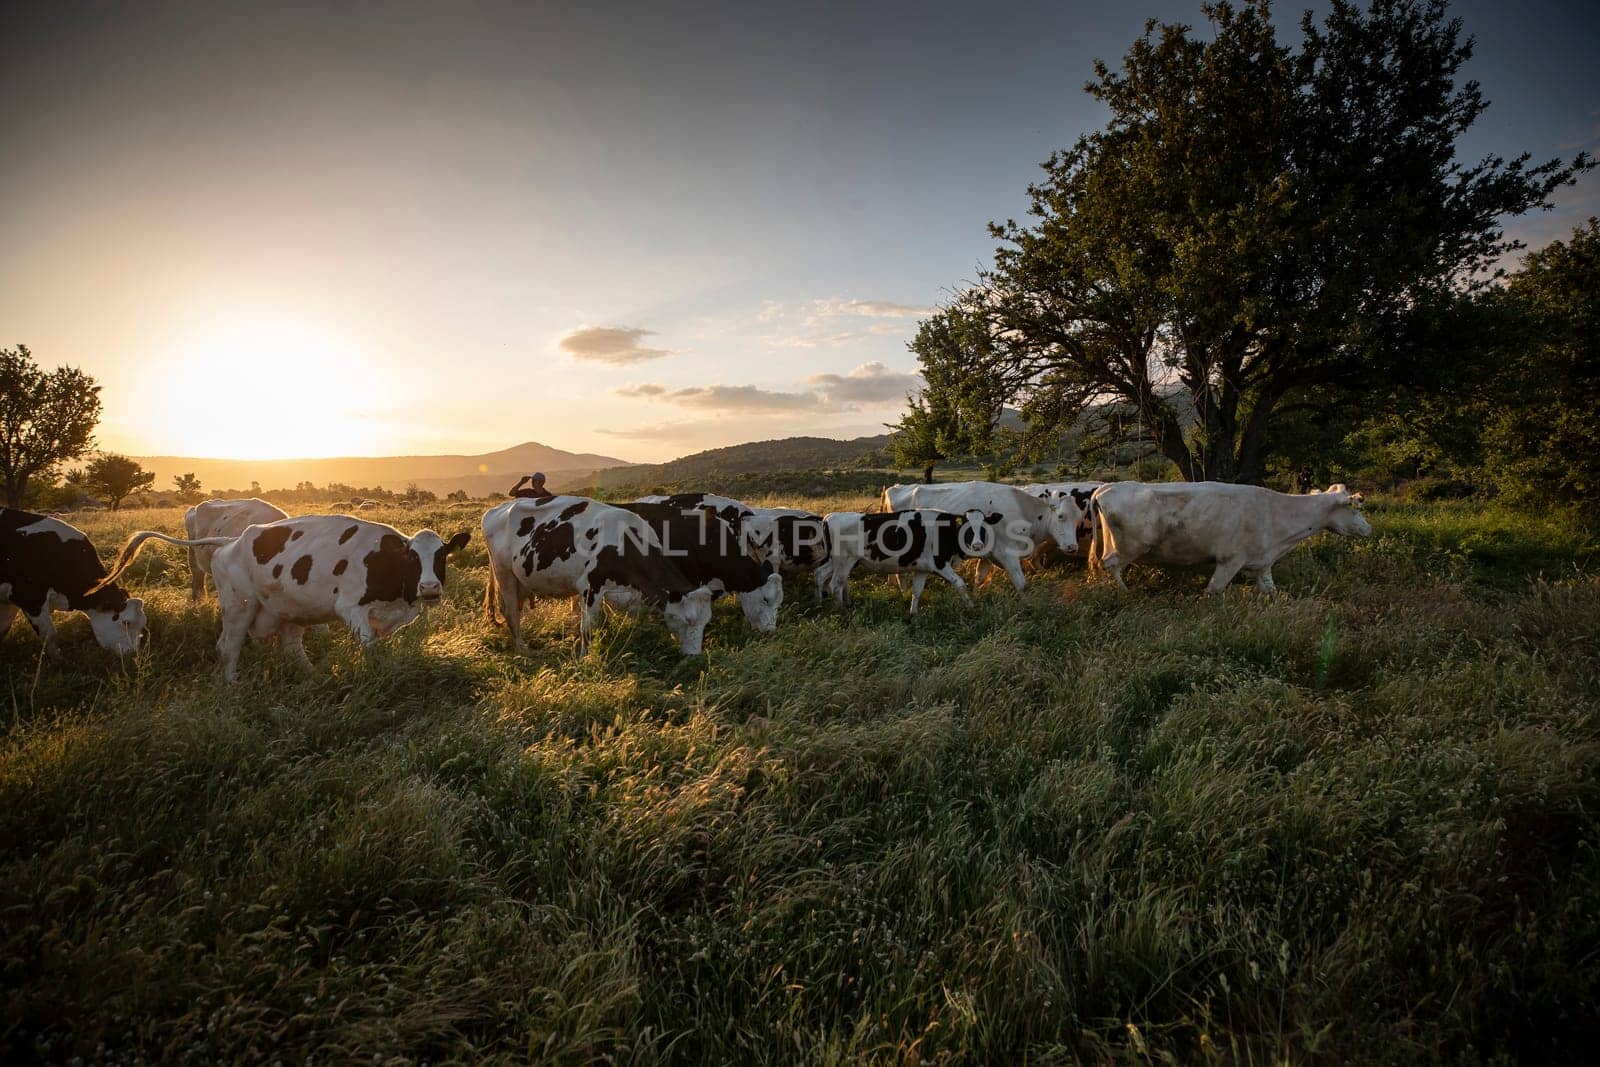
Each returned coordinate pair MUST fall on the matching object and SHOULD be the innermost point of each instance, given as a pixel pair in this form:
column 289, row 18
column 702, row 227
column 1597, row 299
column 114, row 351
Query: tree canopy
column 1258, row 228
column 46, row 419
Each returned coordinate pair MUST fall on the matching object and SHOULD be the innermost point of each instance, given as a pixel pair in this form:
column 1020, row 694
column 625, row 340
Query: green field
column 1358, row 822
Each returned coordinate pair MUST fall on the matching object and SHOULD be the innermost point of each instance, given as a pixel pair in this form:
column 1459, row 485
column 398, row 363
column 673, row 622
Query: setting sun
column 259, row 387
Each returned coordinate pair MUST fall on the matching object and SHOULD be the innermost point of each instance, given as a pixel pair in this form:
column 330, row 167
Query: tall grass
column 1354, row 823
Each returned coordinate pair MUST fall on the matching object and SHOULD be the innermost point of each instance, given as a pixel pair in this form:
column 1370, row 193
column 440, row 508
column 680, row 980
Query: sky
column 281, row 230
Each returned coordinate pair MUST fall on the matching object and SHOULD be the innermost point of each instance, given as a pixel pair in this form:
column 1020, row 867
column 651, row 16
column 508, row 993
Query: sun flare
column 262, row 387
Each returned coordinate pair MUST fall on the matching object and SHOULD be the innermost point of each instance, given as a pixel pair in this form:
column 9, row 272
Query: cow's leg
column 291, row 639
column 491, row 597
column 359, row 620
column 839, row 580
column 44, row 625
column 917, row 582
column 1264, row 581
column 819, row 579
column 197, row 577
column 1013, row 567
column 237, row 616
column 1223, row 575
column 511, row 606
column 590, row 607
column 951, row 575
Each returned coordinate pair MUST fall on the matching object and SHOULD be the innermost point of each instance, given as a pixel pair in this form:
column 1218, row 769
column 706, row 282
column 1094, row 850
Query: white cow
column 1026, row 519
column 570, row 546
column 1234, row 527
column 221, row 518
column 276, row 579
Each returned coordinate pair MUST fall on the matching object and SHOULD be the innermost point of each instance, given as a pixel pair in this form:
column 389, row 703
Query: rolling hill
column 479, row 475
column 715, row 466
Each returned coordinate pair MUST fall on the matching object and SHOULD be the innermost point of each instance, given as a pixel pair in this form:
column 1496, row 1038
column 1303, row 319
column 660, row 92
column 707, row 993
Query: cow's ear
column 1356, row 500
column 459, row 541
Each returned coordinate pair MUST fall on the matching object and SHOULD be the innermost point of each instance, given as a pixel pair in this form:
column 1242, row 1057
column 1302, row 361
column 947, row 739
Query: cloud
column 870, row 383
column 826, row 341
column 743, row 398
column 616, row 345
column 643, row 389
column 874, row 309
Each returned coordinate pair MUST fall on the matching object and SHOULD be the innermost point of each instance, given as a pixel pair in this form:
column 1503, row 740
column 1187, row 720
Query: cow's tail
column 1097, row 535
column 135, row 545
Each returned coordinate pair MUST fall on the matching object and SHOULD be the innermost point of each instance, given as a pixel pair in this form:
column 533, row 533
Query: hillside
column 478, row 475
column 786, row 454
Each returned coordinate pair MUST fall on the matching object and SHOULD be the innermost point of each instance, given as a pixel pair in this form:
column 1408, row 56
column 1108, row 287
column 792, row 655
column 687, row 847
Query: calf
column 1234, row 527
column 275, row 579
column 707, row 552
column 919, row 542
column 47, row 566
column 1026, row 520
column 575, row 547
column 220, row 518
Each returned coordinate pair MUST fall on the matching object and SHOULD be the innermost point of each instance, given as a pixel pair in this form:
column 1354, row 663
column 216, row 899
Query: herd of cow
column 276, row 574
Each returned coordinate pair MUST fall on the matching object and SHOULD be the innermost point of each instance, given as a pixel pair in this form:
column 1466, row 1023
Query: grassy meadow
column 1358, row 822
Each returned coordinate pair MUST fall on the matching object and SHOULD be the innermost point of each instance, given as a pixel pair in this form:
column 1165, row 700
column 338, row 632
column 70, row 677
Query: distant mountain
column 478, row 475
column 715, row 466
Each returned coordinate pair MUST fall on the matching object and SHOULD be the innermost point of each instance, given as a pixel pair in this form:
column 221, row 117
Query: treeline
column 1274, row 264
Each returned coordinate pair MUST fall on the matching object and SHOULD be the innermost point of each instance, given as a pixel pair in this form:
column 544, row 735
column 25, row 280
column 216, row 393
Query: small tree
column 188, row 487
column 46, row 419
column 458, row 495
column 116, row 478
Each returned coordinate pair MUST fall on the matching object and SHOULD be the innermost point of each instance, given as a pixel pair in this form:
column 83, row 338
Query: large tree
column 116, row 478
column 1255, row 230
column 46, row 419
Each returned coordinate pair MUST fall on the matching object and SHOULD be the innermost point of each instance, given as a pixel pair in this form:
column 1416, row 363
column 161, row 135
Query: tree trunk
column 927, row 474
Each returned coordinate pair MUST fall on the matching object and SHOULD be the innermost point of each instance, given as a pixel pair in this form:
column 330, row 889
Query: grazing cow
column 47, row 566
column 707, row 551
column 572, row 546
column 275, row 579
column 1234, row 527
column 793, row 538
column 1027, row 520
column 918, row 542
column 221, row 518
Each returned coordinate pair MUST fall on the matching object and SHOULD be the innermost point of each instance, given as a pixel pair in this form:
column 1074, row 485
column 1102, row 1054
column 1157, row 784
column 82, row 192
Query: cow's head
column 121, row 629
column 431, row 551
column 1344, row 513
column 761, row 604
column 1064, row 517
column 979, row 531
column 687, row 617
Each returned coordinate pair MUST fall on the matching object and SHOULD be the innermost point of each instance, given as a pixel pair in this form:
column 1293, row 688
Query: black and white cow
column 707, row 551
column 793, row 538
column 1234, row 527
column 47, row 566
column 276, row 579
column 919, row 542
column 1028, row 520
column 572, row 546
column 221, row 518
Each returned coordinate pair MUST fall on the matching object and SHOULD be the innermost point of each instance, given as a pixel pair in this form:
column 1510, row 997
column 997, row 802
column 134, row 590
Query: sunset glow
column 258, row 387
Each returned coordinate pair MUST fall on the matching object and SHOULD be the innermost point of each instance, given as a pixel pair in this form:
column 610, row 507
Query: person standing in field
column 534, row 490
